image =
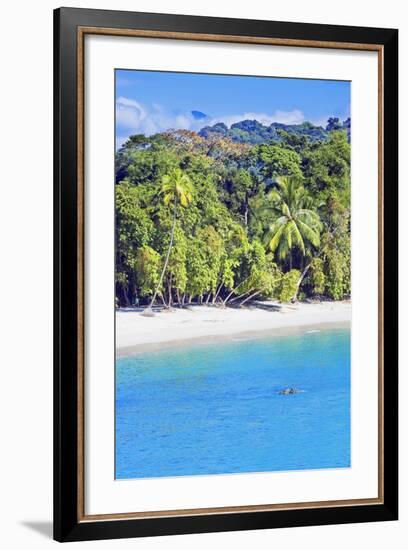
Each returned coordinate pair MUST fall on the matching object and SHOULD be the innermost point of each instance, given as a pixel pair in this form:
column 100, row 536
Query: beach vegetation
column 176, row 189
column 288, row 285
column 221, row 218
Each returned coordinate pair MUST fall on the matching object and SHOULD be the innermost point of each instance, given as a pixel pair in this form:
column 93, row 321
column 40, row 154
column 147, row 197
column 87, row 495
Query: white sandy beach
column 134, row 332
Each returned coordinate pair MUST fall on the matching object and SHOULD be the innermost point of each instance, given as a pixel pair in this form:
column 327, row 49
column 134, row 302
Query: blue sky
column 149, row 102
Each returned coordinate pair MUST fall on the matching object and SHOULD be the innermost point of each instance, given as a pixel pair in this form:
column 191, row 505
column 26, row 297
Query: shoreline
column 201, row 325
column 249, row 336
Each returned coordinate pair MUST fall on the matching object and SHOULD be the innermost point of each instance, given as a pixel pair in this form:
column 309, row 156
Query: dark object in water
column 289, row 391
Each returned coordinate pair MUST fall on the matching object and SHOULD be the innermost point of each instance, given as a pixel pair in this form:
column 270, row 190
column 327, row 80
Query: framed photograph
column 225, row 274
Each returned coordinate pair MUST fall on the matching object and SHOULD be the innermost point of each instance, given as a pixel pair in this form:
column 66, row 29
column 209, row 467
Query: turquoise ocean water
column 216, row 409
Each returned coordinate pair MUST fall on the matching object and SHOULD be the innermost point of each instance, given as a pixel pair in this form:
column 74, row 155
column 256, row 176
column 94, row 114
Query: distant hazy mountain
column 198, row 115
column 252, row 131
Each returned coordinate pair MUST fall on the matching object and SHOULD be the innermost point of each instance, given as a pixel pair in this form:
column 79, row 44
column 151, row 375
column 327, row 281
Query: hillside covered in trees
column 228, row 215
column 253, row 132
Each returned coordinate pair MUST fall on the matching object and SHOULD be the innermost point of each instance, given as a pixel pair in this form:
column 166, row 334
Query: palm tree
column 176, row 188
column 296, row 224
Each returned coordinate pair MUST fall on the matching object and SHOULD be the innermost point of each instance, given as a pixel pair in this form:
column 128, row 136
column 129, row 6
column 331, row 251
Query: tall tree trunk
column 125, row 296
column 216, row 294
column 304, row 272
column 167, row 255
column 170, row 281
column 302, row 276
column 162, row 299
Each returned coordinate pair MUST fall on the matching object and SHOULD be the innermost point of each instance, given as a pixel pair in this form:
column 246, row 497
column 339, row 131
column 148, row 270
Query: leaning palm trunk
column 167, row 257
column 241, row 295
column 304, row 272
column 306, row 269
column 233, row 291
column 217, row 293
column 251, row 296
column 302, row 276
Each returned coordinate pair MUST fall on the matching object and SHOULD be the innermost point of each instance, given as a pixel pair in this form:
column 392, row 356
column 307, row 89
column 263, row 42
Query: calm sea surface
column 217, row 409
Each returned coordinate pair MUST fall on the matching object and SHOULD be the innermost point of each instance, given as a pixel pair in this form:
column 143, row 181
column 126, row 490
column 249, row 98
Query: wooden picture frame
column 70, row 27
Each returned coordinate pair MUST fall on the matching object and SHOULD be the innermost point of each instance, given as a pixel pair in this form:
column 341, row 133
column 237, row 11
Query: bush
column 288, row 285
column 317, row 278
column 334, row 275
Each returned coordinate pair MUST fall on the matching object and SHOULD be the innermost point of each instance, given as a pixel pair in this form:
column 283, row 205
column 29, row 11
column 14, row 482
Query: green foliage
column 240, row 187
column 223, row 216
column 296, row 225
column 317, row 276
column 204, row 261
column 176, row 268
column 327, row 168
column 196, row 263
column 335, row 273
column 253, row 132
column 279, row 161
column 297, row 142
column 288, row 285
column 176, row 189
column 147, row 269
column 176, row 186
column 336, row 257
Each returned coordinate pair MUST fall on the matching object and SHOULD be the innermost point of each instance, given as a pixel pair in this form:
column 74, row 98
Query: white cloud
column 289, row 117
column 129, row 113
column 137, row 118
column 134, row 118
column 321, row 121
column 286, row 117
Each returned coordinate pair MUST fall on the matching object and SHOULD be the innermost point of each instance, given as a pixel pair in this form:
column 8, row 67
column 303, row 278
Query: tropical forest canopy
column 230, row 215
